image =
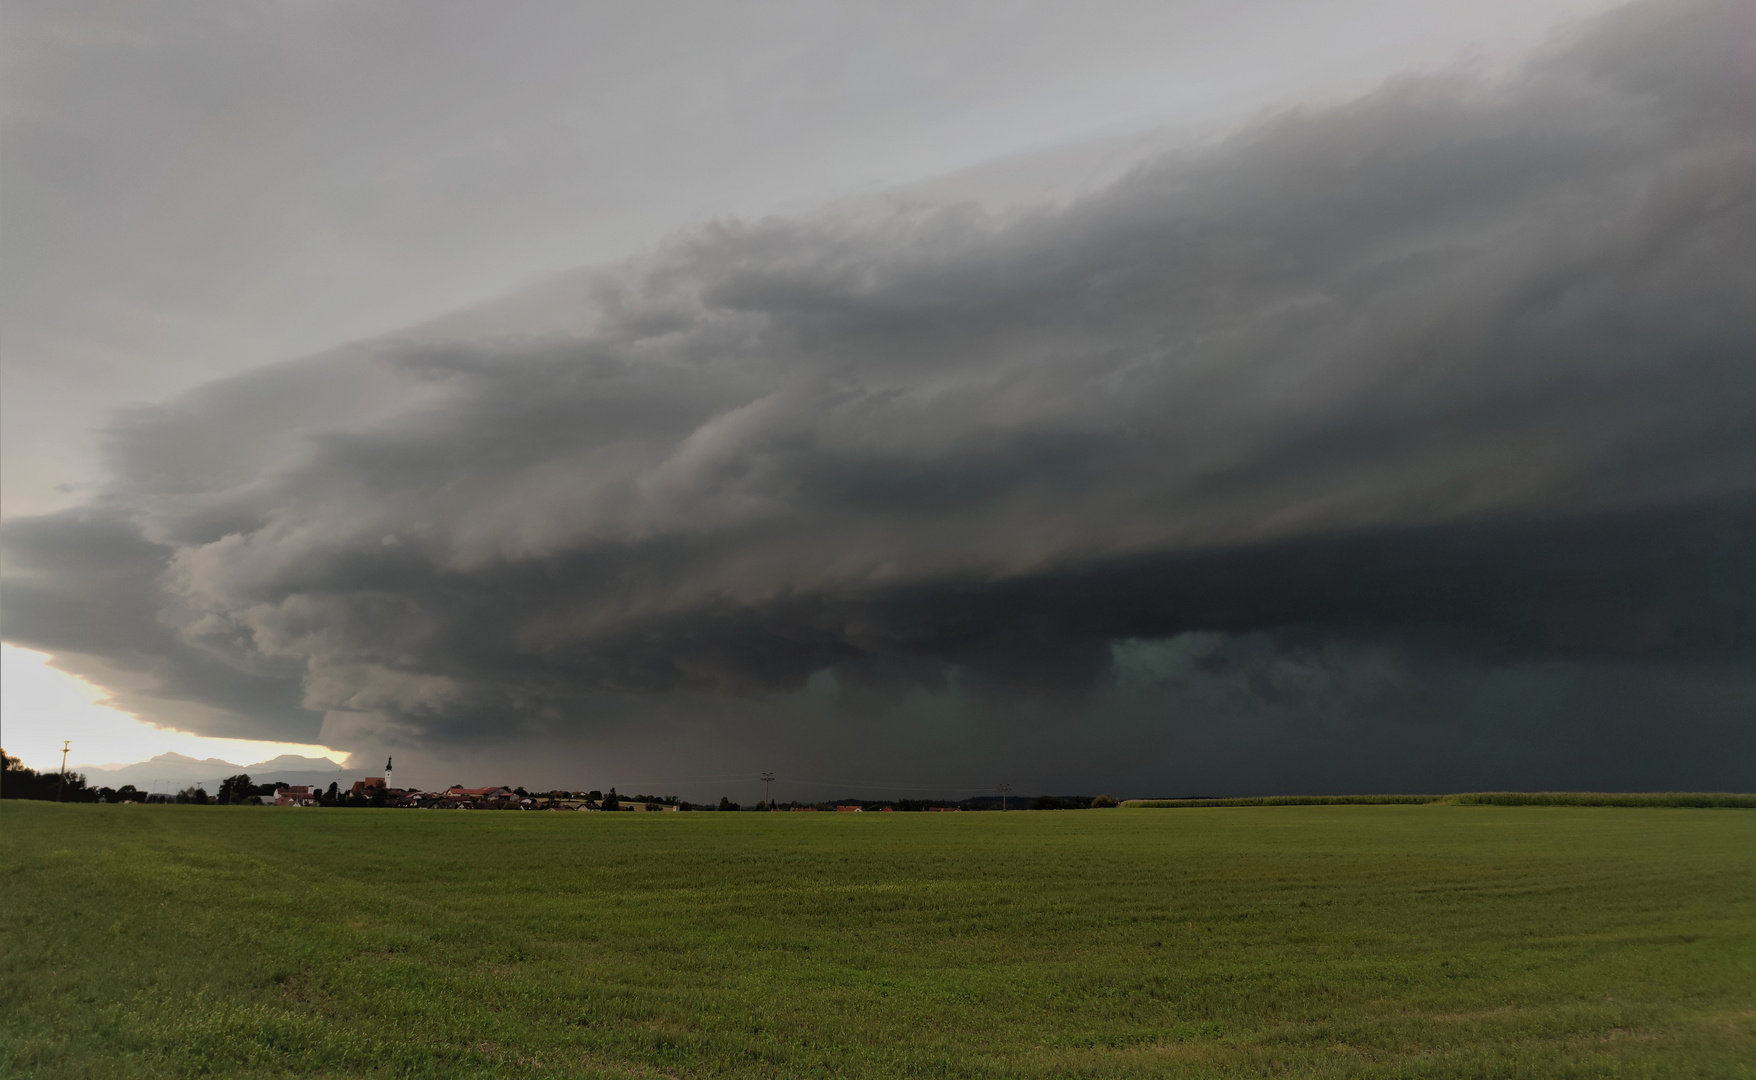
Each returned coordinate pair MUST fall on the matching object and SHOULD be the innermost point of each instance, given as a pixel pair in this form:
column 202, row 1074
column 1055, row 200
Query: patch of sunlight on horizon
column 40, row 706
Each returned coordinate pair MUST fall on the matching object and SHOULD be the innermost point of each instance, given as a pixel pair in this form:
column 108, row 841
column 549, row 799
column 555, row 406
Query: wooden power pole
column 66, row 745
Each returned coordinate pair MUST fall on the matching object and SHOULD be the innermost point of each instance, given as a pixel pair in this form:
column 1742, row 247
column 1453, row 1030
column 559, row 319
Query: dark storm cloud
column 1459, row 372
column 85, row 582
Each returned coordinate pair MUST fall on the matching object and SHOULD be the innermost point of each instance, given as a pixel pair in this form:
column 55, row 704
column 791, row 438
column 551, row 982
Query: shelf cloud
column 1405, row 442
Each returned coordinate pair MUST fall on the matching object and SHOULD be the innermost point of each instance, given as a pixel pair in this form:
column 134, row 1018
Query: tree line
column 19, row 781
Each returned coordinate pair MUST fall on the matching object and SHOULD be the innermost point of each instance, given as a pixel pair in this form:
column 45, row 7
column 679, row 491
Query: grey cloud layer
column 1461, row 370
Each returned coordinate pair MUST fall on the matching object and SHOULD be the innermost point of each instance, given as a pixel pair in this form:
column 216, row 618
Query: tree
column 18, row 781
column 1103, row 801
column 611, row 802
column 333, row 795
column 195, row 795
column 236, row 789
column 727, row 804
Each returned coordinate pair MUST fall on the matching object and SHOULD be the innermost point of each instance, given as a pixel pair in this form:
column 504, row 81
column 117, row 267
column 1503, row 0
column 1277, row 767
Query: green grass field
column 1392, row 940
column 1691, row 799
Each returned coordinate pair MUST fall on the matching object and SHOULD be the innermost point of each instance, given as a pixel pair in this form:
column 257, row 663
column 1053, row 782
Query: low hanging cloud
column 1367, row 415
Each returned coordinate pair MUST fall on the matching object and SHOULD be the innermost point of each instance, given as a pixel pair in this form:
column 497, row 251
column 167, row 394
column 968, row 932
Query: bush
column 1103, row 801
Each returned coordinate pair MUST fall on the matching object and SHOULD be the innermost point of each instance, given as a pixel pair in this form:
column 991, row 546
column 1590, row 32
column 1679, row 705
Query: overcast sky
column 193, row 189
column 1312, row 397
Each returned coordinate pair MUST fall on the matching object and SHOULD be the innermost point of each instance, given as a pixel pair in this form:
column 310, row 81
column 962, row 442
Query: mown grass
column 1698, row 800
column 1406, row 941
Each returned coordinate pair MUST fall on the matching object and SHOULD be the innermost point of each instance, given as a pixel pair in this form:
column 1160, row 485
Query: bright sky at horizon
column 43, row 706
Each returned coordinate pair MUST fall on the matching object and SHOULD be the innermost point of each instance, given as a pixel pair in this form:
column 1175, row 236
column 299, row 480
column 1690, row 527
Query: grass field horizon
column 1438, row 939
column 1697, row 800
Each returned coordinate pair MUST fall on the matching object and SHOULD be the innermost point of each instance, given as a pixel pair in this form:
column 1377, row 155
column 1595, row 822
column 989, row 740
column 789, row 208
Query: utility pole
column 1005, row 789
column 62, row 790
column 767, row 779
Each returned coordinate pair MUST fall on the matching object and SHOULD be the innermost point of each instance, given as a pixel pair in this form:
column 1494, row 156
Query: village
column 376, row 791
column 380, row 792
column 22, row 782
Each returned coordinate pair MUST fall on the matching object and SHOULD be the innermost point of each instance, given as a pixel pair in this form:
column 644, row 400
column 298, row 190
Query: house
column 295, row 795
column 481, row 798
column 477, row 793
column 850, row 809
column 366, row 786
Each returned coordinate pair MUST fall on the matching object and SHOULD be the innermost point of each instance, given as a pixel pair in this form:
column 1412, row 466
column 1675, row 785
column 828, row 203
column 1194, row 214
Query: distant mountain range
column 169, row 772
